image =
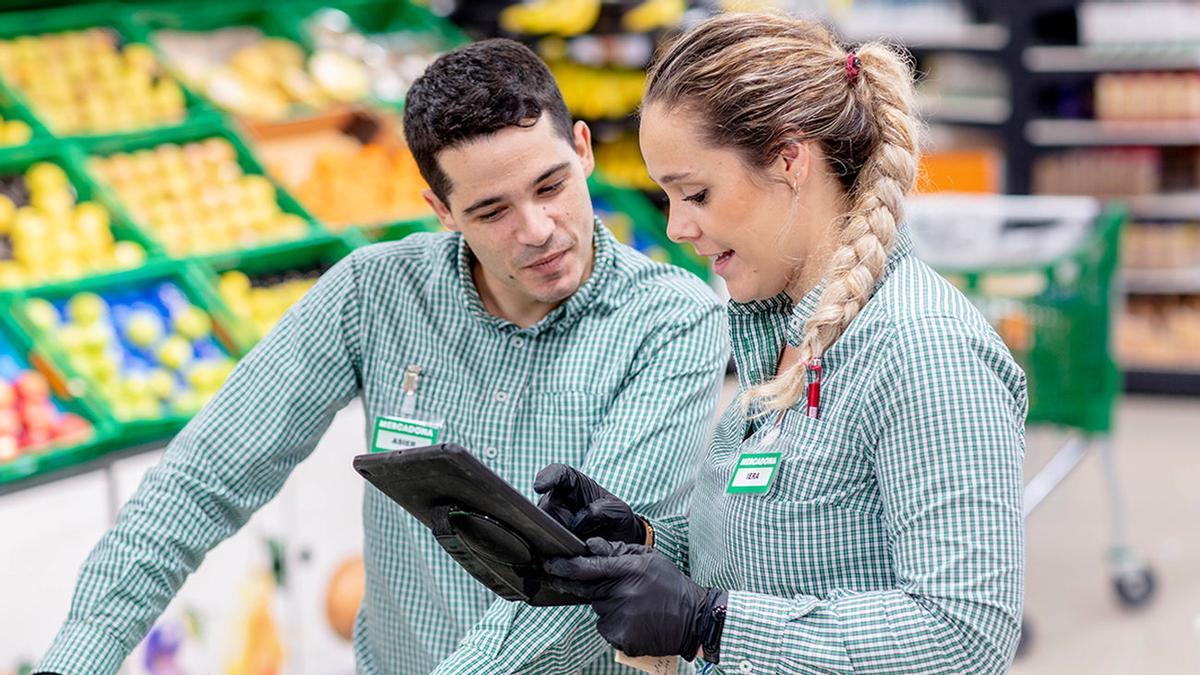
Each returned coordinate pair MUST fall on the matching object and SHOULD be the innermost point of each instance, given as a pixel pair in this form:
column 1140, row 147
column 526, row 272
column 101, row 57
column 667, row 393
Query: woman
column 860, row 510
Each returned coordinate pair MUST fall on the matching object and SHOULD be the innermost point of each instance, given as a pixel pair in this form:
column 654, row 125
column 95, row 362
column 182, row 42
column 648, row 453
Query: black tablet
column 489, row 528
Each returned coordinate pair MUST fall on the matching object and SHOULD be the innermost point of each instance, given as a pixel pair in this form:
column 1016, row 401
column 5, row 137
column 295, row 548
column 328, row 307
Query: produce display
column 245, row 72
column 195, row 199
column 46, row 235
column 88, row 82
column 147, row 351
column 1160, row 332
column 31, row 420
column 599, row 93
column 263, row 299
column 144, row 246
column 346, row 168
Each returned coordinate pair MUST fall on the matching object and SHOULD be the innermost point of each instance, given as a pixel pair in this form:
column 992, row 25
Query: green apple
column 86, row 308
column 143, row 328
column 175, row 352
column 42, row 314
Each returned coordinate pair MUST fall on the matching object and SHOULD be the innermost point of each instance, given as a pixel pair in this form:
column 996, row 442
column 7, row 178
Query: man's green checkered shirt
column 892, row 539
column 621, row 381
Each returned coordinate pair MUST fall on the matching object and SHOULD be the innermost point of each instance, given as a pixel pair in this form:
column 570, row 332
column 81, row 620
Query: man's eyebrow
column 482, row 204
column 550, row 172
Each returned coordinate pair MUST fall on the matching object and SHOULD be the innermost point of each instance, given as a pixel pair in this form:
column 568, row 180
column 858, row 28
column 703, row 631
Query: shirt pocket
column 819, row 466
column 559, row 426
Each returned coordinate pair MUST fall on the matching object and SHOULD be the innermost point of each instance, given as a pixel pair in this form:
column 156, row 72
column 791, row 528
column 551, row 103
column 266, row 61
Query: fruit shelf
column 13, row 111
column 257, row 287
column 247, row 59
column 150, row 346
column 57, row 228
column 188, row 220
column 96, row 66
column 43, row 426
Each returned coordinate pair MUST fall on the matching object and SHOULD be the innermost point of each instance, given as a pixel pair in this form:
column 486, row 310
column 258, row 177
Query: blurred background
column 173, row 175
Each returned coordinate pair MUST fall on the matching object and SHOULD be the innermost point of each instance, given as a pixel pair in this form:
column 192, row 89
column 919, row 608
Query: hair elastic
column 852, row 66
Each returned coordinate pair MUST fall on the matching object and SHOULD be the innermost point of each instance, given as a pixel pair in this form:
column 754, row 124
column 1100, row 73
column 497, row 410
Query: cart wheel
column 1025, row 643
column 1135, row 587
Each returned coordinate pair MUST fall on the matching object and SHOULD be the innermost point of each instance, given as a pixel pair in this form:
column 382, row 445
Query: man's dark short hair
column 474, row 91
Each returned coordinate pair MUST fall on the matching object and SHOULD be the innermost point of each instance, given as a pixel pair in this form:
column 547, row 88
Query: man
column 540, row 339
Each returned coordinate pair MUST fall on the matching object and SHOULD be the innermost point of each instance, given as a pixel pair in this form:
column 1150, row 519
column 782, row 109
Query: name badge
column 754, row 473
column 400, row 433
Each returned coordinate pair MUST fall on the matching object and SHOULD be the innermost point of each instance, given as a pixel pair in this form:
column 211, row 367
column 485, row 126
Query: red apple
column 37, row 414
column 72, row 428
column 10, row 422
column 36, row 438
column 32, row 386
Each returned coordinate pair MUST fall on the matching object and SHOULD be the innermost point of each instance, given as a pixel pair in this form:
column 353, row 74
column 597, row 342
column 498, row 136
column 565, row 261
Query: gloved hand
column 647, row 607
column 585, row 508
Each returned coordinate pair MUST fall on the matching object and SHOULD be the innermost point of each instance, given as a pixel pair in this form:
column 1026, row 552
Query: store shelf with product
column 81, row 72
column 1114, row 58
column 249, row 59
column 45, row 423
column 54, row 223
column 151, row 346
column 197, row 190
column 350, row 168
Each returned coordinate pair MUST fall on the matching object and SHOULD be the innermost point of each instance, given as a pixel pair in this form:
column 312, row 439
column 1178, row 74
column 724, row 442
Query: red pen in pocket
column 814, row 388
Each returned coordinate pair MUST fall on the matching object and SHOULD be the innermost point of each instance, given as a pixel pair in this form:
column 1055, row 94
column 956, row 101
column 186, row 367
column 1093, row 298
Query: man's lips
column 547, row 260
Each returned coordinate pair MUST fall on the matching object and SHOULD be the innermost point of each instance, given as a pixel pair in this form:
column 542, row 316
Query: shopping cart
column 1042, row 271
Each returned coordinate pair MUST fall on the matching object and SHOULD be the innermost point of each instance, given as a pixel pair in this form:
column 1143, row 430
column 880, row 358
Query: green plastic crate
column 317, row 252
column 393, row 231
column 187, row 133
column 1060, row 335
column 65, row 19
column 196, row 289
column 649, row 224
column 67, row 156
column 25, row 354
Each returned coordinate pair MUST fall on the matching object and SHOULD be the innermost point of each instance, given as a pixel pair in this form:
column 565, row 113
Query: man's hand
column 647, row 607
column 585, row 508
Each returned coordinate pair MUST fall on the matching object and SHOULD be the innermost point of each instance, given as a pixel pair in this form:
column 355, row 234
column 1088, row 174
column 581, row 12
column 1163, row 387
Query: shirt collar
column 562, row 317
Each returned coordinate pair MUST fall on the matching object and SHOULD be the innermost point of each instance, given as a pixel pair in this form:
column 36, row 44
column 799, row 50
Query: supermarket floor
column 1078, row 625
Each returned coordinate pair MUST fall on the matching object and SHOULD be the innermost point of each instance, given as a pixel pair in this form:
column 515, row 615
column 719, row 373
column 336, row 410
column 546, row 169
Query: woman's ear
column 795, row 160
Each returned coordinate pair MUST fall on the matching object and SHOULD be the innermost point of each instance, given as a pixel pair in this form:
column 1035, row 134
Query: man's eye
column 698, row 198
column 492, row 215
column 551, row 189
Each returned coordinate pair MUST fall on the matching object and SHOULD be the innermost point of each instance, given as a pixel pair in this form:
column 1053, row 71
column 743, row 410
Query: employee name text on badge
column 400, row 433
column 754, row 473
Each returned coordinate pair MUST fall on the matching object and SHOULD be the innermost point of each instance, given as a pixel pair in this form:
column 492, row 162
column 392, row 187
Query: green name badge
column 399, row 433
column 754, row 473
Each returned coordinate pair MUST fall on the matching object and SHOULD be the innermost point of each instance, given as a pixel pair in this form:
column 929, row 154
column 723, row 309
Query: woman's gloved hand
column 647, row 607
column 585, row 508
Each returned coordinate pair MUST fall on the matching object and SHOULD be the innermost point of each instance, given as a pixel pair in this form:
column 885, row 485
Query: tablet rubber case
column 489, row 528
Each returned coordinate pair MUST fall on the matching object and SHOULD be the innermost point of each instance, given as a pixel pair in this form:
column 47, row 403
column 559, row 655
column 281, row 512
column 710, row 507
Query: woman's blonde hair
column 761, row 81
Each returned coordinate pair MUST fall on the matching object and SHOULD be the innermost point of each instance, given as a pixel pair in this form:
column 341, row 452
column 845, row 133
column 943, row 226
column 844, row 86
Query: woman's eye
column 698, row 198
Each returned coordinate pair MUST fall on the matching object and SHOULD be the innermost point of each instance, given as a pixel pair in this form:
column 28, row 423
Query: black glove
column 647, row 607
column 585, row 508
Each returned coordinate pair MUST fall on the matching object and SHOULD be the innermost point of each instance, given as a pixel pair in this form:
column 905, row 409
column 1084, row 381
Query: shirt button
column 502, row 396
column 491, row 453
column 746, row 667
column 518, row 342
